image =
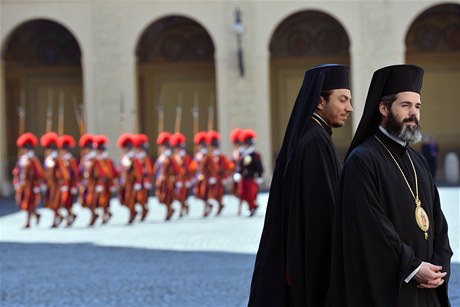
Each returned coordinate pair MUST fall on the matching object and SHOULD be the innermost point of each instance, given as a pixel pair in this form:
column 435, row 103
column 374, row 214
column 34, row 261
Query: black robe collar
column 393, row 146
column 319, row 121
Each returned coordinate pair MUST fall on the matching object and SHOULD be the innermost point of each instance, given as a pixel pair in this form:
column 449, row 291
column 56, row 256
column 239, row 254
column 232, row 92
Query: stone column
column 108, row 76
column 5, row 184
column 377, row 20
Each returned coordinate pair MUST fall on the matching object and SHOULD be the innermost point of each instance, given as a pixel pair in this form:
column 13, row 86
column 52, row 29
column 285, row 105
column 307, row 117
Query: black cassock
column 292, row 264
column 377, row 242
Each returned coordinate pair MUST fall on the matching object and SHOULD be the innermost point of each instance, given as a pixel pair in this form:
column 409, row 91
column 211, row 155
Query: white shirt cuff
column 412, row 274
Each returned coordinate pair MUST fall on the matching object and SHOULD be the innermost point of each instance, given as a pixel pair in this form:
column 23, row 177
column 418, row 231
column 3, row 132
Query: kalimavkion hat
column 336, row 77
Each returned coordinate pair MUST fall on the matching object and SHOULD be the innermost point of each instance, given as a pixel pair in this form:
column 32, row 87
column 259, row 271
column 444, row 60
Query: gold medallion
column 247, row 160
column 422, row 219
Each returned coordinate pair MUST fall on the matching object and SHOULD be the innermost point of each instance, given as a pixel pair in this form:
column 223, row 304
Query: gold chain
column 417, row 200
column 420, row 215
column 317, row 122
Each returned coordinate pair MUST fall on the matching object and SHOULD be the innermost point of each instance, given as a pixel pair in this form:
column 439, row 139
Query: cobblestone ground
column 192, row 261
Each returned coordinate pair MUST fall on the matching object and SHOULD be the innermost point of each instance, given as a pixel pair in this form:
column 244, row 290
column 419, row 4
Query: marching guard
column 205, row 171
column 235, row 165
column 106, row 177
column 142, row 144
column 56, row 174
column 88, row 175
column 251, row 170
column 165, row 171
column 222, row 172
column 183, row 178
column 69, row 187
column 27, row 177
column 130, row 175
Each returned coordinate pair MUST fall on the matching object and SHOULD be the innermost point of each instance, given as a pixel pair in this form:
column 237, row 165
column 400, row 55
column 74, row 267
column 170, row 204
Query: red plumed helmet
column 142, row 140
column 49, row 139
column 164, row 138
column 27, row 139
column 247, row 135
column 212, row 136
column 200, row 137
column 100, row 141
column 126, row 140
column 177, row 139
column 235, row 135
column 86, row 141
column 66, row 141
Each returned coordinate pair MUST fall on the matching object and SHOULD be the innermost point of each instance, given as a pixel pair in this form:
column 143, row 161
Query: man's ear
column 321, row 103
column 383, row 109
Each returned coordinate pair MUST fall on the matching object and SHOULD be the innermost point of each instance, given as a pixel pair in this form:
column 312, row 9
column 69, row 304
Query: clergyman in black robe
column 386, row 250
column 292, row 263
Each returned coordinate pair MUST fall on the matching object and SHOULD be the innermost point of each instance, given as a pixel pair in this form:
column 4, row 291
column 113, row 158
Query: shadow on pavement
column 89, row 275
column 7, row 206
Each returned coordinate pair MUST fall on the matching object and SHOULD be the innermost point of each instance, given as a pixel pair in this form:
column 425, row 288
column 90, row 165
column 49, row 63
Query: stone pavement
column 193, row 261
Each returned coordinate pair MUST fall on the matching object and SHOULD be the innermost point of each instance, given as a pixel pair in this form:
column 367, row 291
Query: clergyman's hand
column 430, row 275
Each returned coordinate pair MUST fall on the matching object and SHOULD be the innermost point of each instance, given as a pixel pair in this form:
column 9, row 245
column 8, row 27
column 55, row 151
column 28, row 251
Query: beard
column 409, row 134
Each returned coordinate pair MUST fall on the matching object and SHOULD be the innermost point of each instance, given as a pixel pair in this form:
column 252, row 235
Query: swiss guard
column 165, row 170
column 251, row 170
column 27, row 177
column 142, row 145
column 235, row 165
column 222, row 173
column 56, row 174
column 69, row 188
column 106, row 177
column 184, row 176
column 88, row 175
column 205, row 171
column 130, row 175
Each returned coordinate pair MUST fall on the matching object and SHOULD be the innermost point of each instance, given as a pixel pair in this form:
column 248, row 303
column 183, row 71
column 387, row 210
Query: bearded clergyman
column 390, row 241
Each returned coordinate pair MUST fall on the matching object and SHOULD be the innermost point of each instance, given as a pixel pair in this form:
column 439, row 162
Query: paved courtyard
column 193, row 261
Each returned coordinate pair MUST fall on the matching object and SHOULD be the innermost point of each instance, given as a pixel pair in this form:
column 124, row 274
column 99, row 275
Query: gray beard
column 400, row 130
column 410, row 135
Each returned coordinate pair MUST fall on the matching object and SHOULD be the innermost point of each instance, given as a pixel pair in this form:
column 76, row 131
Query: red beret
column 49, row 139
column 200, row 137
column 86, row 140
column 247, row 134
column 211, row 136
column 27, row 138
column 66, row 140
column 141, row 139
column 100, row 141
column 163, row 138
column 125, row 139
column 235, row 134
column 177, row 138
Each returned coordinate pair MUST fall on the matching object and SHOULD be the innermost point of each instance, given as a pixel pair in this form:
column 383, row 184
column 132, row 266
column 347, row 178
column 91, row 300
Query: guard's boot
column 132, row 216
column 145, row 211
column 221, row 207
column 94, row 217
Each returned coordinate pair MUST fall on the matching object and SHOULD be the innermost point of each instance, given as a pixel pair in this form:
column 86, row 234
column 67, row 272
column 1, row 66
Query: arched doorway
column 301, row 41
column 433, row 42
column 43, row 82
column 176, row 78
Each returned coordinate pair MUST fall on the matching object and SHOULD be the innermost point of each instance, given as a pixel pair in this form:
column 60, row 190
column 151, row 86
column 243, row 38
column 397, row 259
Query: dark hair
column 326, row 94
column 388, row 100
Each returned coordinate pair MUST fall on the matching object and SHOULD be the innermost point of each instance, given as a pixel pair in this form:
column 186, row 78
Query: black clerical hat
column 386, row 81
column 401, row 78
column 336, row 77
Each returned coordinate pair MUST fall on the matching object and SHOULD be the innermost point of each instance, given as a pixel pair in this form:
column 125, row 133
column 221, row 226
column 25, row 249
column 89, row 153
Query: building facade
column 108, row 67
